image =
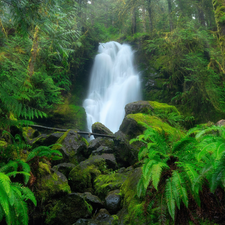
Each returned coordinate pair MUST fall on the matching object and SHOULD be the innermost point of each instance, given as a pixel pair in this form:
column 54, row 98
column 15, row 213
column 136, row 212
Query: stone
column 104, row 183
column 64, row 168
column 93, row 200
column 102, row 149
column 68, row 210
column 100, row 141
column 50, row 183
column 112, row 201
column 149, row 107
column 134, row 125
column 220, row 123
column 99, row 128
column 73, row 147
column 46, row 140
column 80, row 177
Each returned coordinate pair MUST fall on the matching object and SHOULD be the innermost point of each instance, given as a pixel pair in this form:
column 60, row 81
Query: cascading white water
column 114, row 83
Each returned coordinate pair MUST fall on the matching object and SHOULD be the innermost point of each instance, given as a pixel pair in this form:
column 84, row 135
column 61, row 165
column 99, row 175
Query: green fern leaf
column 170, row 198
column 156, row 171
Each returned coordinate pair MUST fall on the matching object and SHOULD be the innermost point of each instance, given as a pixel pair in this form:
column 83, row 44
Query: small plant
column 13, row 196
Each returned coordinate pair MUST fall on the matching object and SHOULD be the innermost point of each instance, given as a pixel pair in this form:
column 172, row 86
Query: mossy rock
column 50, row 183
column 132, row 126
column 99, row 128
column 30, row 134
column 46, row 139
column 150, row 107
column 64, row 168
column 82, row 176
column 72, row 146
column 133, row 207
column 105, row 183
column 68, row 210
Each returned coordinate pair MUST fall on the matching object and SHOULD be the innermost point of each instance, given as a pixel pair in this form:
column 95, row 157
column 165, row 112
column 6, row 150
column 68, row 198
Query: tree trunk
column 34, row 52
column 201, row 16
column 144, row 19
column 134, row 22
column 170, row 14
column 219, row 10
column 150, row 15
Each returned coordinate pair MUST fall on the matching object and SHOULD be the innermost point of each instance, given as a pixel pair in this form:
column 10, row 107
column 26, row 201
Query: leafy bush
column 174, row 176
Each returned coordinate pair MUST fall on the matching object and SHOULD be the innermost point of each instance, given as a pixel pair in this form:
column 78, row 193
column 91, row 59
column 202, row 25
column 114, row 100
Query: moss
column 163, row 108
column 81, row 179
column 133, row 204
column 43, row 169
column 3, row 144
column 85, row 140
column 56, row 147
column 108, row 182
column 51, row 184
column 157, row 124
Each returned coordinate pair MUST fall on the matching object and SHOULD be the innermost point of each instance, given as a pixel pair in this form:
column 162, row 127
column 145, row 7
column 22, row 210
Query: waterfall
column 114, row 83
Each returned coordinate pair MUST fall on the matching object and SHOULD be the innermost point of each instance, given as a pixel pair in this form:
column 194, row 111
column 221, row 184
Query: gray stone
column 112, row 201
column 102, row 149
column 99, row 128
column 64, row 168
column 138, row 107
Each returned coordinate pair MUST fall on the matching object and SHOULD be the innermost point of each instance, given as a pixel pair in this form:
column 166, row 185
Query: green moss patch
column 157, row 124
column 163, row 108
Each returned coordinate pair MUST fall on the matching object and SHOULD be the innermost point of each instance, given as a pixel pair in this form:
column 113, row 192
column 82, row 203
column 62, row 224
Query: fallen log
column 79, row 132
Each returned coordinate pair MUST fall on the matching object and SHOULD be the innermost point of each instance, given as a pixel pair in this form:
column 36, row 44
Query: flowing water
column 114, row 83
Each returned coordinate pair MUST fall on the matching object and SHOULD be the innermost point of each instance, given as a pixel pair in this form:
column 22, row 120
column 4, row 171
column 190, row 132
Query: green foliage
column 13, row 206
column 45, row 152
column 13, row 149
column 177, row 173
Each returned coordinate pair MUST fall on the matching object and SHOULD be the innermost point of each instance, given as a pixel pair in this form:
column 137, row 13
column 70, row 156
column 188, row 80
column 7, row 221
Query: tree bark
column 149, row 8
column 170, row 14
column 134, row 21
column 144, row 18
column 34, row 52
column 219, row 10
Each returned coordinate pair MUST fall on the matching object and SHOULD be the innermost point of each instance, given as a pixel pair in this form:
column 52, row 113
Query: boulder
column 50, row 183
column 46, row 140
column 93, row 200
column 99, row 128
column 112, row 201
column 126, row 154
column 105, row 183
column 87, row 222
column 102, row 149
column 134, row 125
column 149, row 107
column 73, row 147
column 68, row 210
column 30, row 134
column 220, row 123
column 81, row 177
column 133, row 207
column 100, row 141
column 64, row 168
column 104, row 216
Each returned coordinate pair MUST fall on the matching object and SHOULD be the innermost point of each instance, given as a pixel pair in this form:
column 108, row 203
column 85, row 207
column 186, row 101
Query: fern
column 44, row 151
column 13, row 196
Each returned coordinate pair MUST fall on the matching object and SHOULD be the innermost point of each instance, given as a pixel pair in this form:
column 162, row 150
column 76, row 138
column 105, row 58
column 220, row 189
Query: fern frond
column 180, row 188
column 170, row 197
column 141, row 190
column 156, row 171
